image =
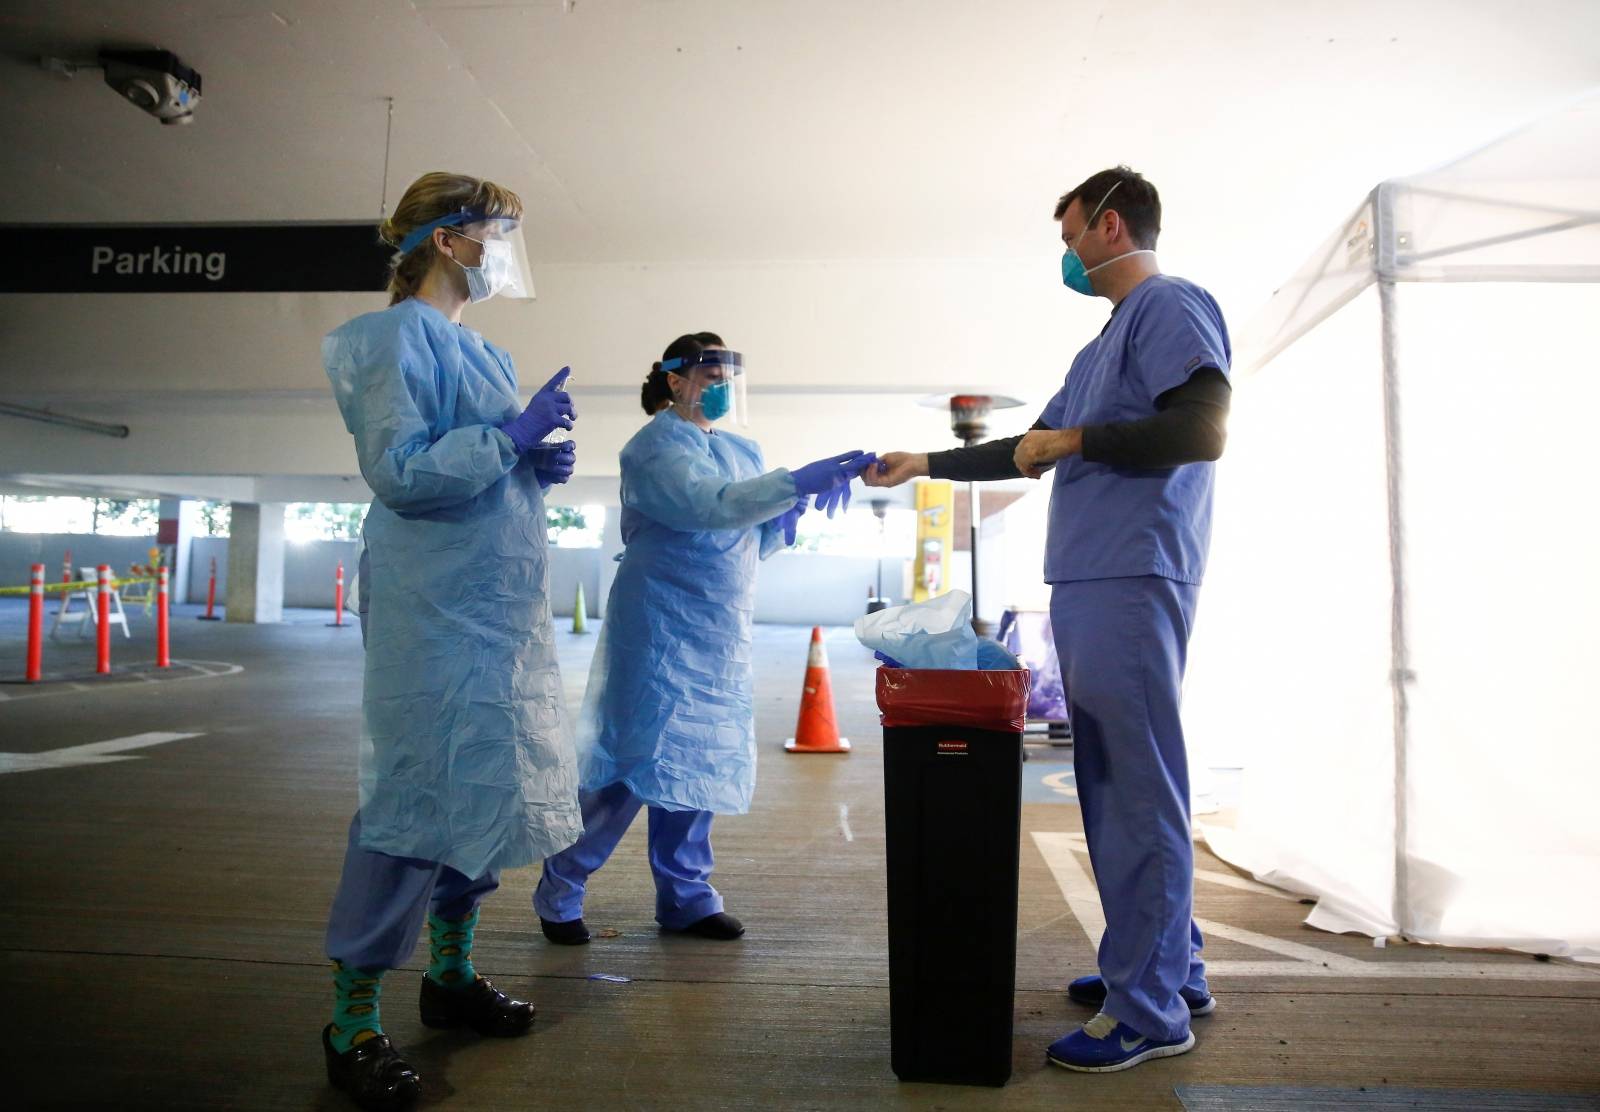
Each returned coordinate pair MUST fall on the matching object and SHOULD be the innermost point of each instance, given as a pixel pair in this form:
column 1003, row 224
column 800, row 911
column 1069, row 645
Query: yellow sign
column 936, row 522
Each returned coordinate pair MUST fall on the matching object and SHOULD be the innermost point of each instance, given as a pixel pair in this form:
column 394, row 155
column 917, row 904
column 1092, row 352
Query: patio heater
column 969, row 420
column 880, row 510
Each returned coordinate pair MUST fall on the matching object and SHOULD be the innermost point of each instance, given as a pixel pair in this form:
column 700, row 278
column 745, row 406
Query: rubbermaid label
column 952, row 748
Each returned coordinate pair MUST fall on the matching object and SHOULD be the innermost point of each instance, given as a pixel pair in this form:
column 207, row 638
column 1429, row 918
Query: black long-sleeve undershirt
column 1190, row 425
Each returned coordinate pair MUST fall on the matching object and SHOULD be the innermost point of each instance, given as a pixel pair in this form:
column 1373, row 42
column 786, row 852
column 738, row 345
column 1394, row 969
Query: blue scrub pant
column 680, row 859
column 1123, row 645
column 382, row 901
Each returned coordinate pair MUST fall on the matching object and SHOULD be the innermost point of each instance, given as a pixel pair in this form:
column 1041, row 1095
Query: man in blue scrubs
column 1131, row 436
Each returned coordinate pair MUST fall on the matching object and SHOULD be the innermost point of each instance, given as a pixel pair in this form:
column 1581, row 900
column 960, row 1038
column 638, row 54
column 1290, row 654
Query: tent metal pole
column 1399, row 655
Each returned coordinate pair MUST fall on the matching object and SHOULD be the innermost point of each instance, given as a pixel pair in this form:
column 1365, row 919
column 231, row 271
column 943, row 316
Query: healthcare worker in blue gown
column 467, row 765
column 1131, row 436
column 668, row 721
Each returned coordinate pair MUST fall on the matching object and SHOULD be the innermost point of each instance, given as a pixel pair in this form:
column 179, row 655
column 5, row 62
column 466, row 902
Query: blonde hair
column 428, row 198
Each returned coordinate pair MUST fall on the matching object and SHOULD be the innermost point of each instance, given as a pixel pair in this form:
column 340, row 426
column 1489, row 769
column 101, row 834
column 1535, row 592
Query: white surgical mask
column 494, row 271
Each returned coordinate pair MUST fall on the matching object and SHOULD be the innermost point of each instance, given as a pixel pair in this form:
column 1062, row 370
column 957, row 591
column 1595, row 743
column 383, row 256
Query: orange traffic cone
column 818, row 730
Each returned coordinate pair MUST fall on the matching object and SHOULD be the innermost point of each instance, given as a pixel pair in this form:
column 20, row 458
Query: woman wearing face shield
column 668, row 720
column 467, row 763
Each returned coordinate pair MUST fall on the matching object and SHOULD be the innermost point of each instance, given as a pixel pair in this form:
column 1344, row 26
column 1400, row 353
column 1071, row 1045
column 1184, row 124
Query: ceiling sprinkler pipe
column 100, row 428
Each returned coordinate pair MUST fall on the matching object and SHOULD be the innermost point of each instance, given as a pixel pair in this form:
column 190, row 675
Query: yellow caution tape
column 89, row 584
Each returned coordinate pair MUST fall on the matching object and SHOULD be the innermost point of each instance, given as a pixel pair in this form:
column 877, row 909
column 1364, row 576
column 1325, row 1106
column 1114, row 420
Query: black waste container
column 952, row 769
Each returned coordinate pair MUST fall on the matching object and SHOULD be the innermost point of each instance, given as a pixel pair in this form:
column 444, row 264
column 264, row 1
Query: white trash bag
column 933, row 634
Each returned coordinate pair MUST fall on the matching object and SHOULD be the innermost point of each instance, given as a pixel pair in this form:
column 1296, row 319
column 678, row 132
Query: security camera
column 154, row 81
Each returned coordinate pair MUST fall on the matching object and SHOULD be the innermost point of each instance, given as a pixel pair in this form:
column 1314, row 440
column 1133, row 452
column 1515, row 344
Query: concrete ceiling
column 659, row 130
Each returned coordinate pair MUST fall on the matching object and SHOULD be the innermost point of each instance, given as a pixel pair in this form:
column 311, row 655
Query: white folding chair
column 118, row 616
column 67, row 615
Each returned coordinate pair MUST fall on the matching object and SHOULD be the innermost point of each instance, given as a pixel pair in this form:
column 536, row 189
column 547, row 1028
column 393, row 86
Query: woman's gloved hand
column 845, row 468
column 553, row 463
column 826, row 474
column 836, row 499
column 548, row 410
column 789, row 520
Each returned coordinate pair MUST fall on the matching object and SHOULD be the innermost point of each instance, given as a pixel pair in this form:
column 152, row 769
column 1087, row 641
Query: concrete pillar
column 610, row 549
column 180, row 524
column 255, row 562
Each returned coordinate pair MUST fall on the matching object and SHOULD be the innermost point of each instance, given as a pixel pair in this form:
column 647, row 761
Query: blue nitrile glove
column 548, row 410
column 825, row 474
column 553, row 463
column 789, row 520
column 839, row 497
column 889, row 660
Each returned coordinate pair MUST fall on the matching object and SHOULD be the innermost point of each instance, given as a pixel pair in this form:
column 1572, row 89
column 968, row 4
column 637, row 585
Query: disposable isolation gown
column 669, row 709
column 467, row 756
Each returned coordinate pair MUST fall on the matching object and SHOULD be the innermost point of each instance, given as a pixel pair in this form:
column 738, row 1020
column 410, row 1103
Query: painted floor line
column 1243, row 884
column 1297, row 951
column 1210, row 876
column 1444, row 970
column 94, row 753
column 201, row 670
column 1060, row 852
column 1082, row 897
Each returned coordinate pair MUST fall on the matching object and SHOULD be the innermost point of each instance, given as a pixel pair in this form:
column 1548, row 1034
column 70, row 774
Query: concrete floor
column 163, row 916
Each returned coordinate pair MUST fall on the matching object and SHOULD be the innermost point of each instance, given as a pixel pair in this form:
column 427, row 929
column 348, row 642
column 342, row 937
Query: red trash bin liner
column 939, row 697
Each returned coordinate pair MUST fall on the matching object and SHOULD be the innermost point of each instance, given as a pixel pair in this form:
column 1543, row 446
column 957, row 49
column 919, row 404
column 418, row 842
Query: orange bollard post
column 35, row 624
column 102, row 637
column 163, row 656
column 211, row 595
column 817, row 730
column 338, row 597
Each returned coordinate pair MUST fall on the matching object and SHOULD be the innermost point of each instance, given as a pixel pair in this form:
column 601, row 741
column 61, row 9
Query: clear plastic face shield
column 489, row 250
column 714, row 385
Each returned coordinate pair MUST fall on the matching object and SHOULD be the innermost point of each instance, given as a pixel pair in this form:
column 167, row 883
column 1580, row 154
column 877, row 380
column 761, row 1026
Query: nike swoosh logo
column 1134, row 1045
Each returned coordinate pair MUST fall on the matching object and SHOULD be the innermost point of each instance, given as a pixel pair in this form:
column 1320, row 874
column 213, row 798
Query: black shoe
column 480, row 1006
column 721, row 926
column 570, row 933
column 372, row 1073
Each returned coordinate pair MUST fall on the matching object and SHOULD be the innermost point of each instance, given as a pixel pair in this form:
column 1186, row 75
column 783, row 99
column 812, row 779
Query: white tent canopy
column 1525, row 208
column 1401, row 630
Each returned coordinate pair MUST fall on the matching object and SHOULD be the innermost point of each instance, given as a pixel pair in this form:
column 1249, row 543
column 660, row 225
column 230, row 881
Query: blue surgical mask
column 1073, row 275
column 715, row 400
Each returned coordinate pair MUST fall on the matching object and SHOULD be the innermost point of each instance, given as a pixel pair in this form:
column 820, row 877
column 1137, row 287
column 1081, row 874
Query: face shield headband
column 504, row 252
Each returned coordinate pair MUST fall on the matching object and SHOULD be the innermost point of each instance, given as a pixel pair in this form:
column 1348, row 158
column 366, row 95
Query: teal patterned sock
column 450, row 945
column 355, row 1006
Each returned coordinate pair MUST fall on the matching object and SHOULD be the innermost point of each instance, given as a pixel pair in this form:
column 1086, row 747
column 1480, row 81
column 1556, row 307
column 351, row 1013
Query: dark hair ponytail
column 655, row 393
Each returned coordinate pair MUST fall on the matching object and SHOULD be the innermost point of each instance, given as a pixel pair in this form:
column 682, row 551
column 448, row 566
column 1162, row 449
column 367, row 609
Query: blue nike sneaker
column 1105, row 1045
column 1090, row 991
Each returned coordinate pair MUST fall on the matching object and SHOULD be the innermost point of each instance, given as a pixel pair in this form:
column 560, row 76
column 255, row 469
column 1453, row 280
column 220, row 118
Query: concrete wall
column 308, row 571
column 808, row 589
column 568, row 568
column 20, row 550
column 802, row 589
column 202, row 550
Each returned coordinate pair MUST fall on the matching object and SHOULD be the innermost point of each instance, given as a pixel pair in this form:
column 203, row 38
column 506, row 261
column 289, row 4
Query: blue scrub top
column 1107, row 522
